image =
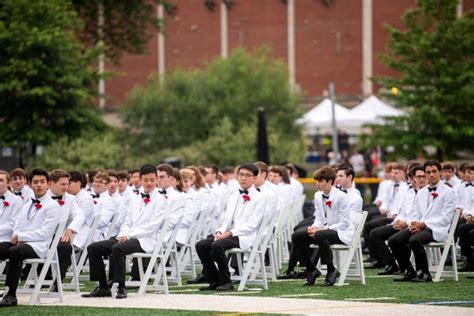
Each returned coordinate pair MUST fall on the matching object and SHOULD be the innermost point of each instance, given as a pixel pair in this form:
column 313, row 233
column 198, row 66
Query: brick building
column 319, row 40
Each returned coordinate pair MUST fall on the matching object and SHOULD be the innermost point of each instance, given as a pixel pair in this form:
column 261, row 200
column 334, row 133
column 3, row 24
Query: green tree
column 210, row 115
column 433, row 55
column 45, row 77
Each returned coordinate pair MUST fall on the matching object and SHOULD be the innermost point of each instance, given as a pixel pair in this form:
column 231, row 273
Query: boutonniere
column 61, row 202
column 328, row 203
column 146, row 200
column 38, row 205
column 434, row 195
column 95, row 202
column 5, row 203
column 246, row 198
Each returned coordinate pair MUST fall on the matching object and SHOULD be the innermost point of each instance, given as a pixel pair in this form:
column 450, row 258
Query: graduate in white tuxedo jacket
column 138, row 234
column 466, row 230
column 10, row 208
column 32, row 233
column 70, row 212
column 104, row 204
column 239, row 227
column 432, row 215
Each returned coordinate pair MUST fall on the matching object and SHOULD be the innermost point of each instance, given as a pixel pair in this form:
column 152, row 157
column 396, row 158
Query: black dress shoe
column 375, row 265
column 8, row 300
column 408, row 276
column 466, row 267
column 311, row 278
column 121, row 293
column 302, row 274
column 210, row 287
column 225, row 287
column 287, row 275
column 200, row 278
column 98, row 292
column 389, row 270
column 470, row 277
column 331, row 278
column 423, row 277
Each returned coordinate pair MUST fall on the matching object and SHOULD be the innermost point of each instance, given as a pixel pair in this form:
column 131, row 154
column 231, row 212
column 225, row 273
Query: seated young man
column 432, row 215
column 243, row 216
column 332, row 225
column 138, row 234
column 466, row 230
column 32, row 233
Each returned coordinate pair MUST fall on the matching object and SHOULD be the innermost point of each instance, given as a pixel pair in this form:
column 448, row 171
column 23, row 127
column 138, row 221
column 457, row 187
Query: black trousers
column 15, row 255
column 372, row 211
column 111, row 247
column 377, row 245
column 324, row 239
column 377, row 221
column 402, row 242
column 300, row 249
column 210, row 251
column 466, row 241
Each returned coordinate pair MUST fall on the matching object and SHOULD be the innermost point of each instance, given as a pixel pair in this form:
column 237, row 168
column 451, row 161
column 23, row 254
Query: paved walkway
column 248, row 304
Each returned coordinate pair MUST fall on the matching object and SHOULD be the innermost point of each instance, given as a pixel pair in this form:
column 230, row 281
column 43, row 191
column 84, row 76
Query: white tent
column 320, row 117
column 371, row 111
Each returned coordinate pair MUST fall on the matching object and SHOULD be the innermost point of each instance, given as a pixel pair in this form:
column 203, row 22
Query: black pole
column 262, row 138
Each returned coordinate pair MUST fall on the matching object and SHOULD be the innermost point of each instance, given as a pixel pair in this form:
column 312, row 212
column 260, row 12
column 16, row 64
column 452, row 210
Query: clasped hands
column 224, row 235
column 416, row 227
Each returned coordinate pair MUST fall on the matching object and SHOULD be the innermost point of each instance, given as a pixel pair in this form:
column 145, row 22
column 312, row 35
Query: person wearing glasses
column 243, row 215
column 105, row 205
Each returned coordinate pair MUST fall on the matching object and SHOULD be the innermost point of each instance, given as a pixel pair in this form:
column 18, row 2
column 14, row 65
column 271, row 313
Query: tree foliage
column 434, row 56
column 45, row 77
column 210, row 115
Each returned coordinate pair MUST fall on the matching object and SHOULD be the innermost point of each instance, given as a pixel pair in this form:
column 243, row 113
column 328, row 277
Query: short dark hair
column 18, row 172
column 146, row 169
column 227, row 170
column 324, row 173
column 448, row 165
column 131, row 172
column 430, row 163
column 112, row 173
column 290, row 167
column 39, row 172
column 250, row 167
column 414, row 169
column 77, row 176
column 166, row 168
column 214, row 168
column 348, row 171
column 282, row 171
column 122, row 175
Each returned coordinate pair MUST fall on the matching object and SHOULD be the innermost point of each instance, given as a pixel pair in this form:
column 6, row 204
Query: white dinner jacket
column 270, row 197
column 436, row 213
column 242, row 218
column 355, row 200
column 26, row 194
column 174, row 209
column 407, row 205
column 70, row 212
column 144, row 220
column 9, row 214
column 36, row 227
column 192, row 205
column 105, row 206
column 85, row 202
column 336, row 216
column 468, row 199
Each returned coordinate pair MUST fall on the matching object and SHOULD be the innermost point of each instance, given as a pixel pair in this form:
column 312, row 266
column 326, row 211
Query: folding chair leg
column 345, row 267
column 264, row 273
column 360, row 262
column 454, row 262
column 442, row 261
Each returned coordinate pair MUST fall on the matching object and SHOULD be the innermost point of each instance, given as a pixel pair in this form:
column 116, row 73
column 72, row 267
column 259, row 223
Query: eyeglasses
column 245, row 175
column 420, row 177
column 100, row 182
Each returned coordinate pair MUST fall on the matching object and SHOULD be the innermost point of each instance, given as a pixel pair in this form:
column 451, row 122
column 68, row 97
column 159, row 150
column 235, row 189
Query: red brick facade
column 328, row 41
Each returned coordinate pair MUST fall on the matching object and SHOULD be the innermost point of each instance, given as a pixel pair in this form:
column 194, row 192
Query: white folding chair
column 78, row 266
column 255, row 261
column 265, row 245
column 353, row 252
column 437, row 259
column 34, row 283
column 3, row 264
column 158, row 253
